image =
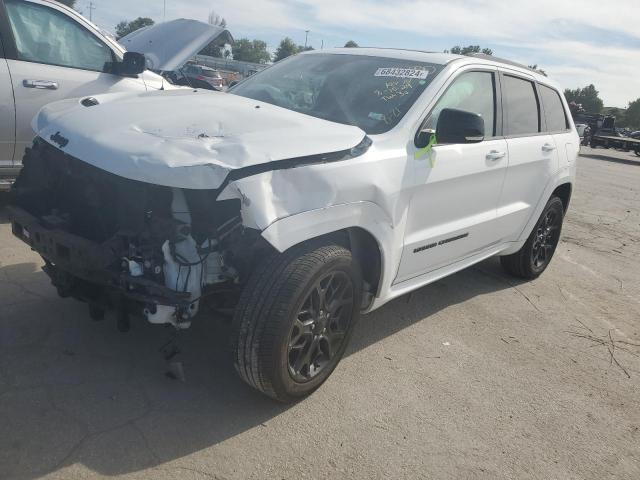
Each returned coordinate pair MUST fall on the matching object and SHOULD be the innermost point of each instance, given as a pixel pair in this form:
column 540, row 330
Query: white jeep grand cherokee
column 320, row 188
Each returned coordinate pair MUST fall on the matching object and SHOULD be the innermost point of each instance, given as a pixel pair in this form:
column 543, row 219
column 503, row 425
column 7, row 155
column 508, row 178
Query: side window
column 521, row 103
column 553, row 110
column 473, row 92
column 45, row 35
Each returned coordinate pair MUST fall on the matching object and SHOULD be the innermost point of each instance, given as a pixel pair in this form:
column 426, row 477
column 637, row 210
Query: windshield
column 372, row 93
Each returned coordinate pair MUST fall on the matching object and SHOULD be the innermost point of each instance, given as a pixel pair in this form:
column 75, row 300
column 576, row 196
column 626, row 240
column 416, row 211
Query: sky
column 577, row 42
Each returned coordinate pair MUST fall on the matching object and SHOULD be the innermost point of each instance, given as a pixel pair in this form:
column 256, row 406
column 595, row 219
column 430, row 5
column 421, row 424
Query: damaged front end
column 135, row 247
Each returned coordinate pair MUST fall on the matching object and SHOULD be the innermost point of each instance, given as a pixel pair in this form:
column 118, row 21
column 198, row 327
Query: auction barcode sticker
column 402, row 73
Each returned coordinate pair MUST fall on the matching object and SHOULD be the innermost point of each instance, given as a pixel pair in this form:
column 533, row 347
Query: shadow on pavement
column 77, row 391
column 607, row 158
column 4, row 201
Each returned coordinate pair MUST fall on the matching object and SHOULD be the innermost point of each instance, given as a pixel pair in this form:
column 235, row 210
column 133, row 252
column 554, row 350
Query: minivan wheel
column 294, row 319
column 535, row 255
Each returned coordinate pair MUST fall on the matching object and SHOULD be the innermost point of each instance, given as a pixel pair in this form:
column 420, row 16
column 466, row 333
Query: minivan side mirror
column 459, row 126
column 133, row 63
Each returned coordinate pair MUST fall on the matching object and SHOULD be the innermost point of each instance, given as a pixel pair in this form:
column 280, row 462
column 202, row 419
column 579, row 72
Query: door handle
column 40, row 84
column 547, row 147
column 495, row 155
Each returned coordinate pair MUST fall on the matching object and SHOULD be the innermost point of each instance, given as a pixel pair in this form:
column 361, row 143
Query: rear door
column 559, row 125
column 53, row 56
column 533, row 154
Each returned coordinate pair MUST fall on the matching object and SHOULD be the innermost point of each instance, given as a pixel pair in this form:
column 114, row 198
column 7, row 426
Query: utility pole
column 92, row 7
column 306, row 37
column 164, row 12
column 322, row 45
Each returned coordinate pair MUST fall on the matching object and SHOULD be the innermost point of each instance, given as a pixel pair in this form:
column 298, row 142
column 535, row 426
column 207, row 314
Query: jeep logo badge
column 59, row 140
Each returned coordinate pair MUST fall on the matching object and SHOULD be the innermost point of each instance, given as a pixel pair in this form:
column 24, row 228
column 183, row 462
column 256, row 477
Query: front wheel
column 535, row 255
column 295, row 318
column 638, row 151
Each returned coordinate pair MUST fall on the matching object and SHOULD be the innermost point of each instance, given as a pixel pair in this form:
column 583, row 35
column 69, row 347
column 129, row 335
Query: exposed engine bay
column 134, row 247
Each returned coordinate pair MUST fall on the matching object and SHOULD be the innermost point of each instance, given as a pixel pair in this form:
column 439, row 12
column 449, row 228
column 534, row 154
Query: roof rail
column 504, row 61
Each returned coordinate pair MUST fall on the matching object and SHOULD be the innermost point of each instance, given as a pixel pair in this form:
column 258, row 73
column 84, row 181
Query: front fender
column 292, row 230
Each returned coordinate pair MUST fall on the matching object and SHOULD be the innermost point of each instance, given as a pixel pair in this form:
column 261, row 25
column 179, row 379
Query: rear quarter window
column 554, row 112
column 521, row 103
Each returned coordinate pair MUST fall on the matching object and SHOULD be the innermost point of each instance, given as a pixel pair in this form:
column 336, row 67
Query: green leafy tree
column 125, row 28
column 286, row 48
column 458, row 50
column 254, row 51
column 351, row 44
column 213, row 49
column 68, row 3
column 633, row 114
column 587, row 97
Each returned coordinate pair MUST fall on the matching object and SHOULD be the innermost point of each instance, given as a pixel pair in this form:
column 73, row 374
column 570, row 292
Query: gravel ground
column 475, row 376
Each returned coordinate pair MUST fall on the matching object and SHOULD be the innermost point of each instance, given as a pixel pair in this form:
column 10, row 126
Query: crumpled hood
column 186, row 138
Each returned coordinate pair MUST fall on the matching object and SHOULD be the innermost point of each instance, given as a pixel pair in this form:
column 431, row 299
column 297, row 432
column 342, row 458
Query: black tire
column 268, row 333
column 535, row 255
column 638, row 151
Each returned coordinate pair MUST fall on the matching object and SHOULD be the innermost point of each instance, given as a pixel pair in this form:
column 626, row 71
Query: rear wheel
column 535, row 255
column 295, row 318
column 638, row 151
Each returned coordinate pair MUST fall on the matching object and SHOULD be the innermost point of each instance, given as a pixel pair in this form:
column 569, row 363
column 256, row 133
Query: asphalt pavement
column 476, row 376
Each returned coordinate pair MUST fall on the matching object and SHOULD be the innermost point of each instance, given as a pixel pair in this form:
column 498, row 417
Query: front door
column 452, row 210
column 54, row 57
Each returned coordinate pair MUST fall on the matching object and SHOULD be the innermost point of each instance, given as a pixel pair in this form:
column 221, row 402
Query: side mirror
column 133, row 63
column 459, row 126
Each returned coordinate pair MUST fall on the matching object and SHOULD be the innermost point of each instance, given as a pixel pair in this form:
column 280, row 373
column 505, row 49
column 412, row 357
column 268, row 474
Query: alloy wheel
column 321, row 325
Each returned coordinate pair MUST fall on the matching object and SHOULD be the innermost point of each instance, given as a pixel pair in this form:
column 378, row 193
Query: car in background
column 580, row 128
column 205, row 75
column 635, row 135
column 50, row 52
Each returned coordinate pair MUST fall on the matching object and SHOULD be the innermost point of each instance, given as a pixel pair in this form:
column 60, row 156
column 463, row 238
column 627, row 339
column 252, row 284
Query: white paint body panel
column 187, row 138
column 400, row 201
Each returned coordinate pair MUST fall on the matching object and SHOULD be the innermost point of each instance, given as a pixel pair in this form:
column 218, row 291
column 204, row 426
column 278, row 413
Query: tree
column 254, row 51
column 351, row 44
column 68, row 3
column 458, row 50
column 286, row 48
column 539, row 70
column 633, row 114
column 213, row 49
column 125, row 28
column 587, row 97
column 215, row 19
